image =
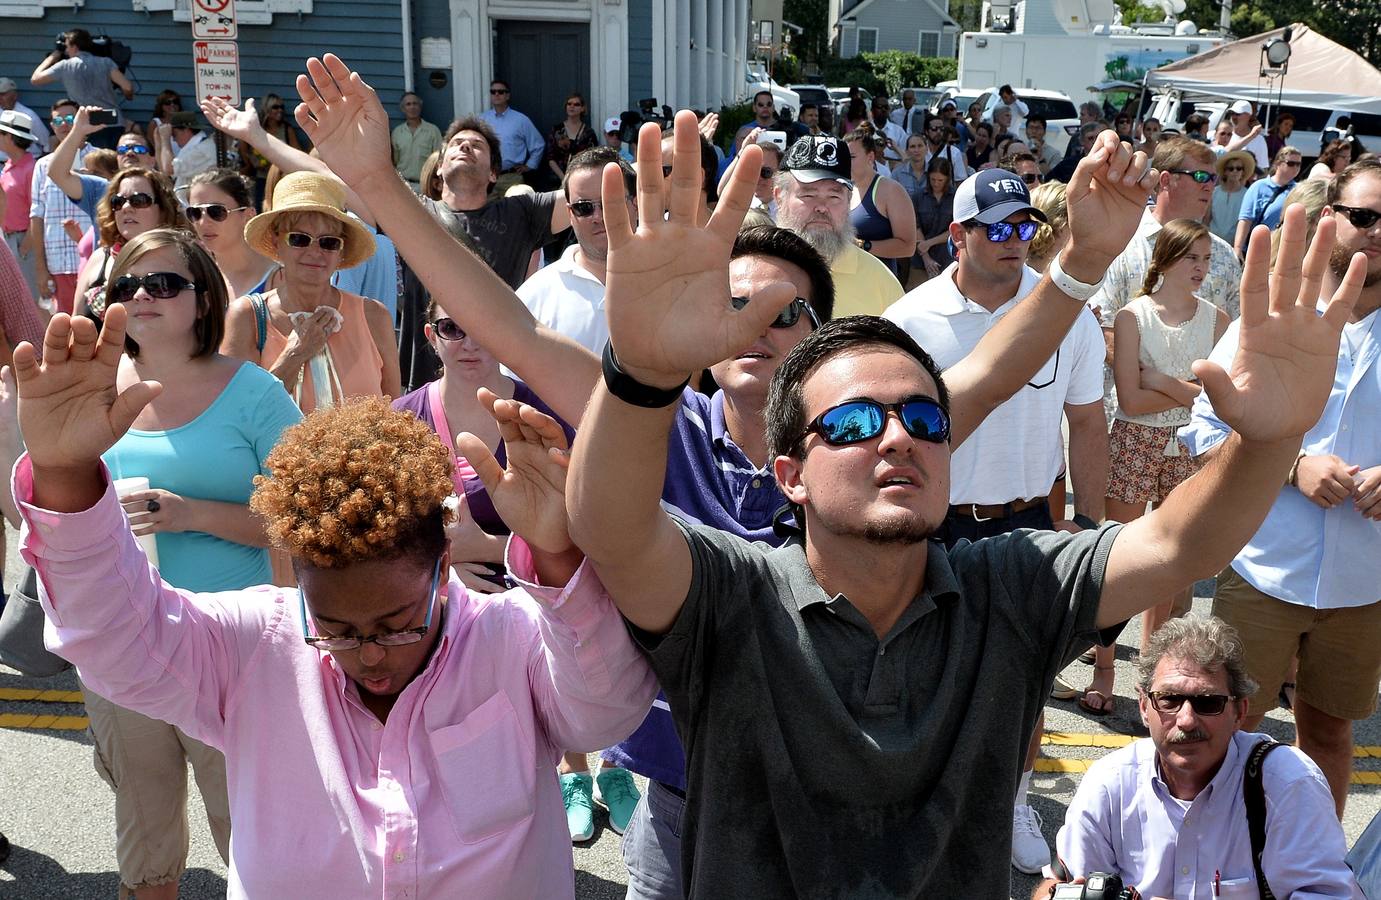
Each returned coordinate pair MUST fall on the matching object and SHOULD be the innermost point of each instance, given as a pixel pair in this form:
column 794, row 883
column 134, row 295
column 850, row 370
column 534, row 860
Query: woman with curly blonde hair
column 354, row 713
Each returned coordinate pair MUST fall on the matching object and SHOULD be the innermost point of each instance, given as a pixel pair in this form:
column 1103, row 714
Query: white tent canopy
column 1321, row 73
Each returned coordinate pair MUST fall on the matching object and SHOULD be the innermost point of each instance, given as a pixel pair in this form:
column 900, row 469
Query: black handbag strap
column 1254, row 795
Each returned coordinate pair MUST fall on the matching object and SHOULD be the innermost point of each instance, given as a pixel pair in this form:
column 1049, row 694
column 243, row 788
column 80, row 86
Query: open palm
column 1287, row 353
column 530, row 495
column 70, row 411
column 345, row 120
column 667, row 288
column 242, row 124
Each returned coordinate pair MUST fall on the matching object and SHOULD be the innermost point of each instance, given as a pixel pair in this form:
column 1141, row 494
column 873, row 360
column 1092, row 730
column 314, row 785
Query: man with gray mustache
column 1168, row 814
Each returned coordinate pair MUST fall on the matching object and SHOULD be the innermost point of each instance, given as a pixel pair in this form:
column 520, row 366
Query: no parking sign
column 214, row 20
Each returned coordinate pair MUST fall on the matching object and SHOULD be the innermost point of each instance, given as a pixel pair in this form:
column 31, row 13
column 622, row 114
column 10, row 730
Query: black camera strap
column 1254, row 795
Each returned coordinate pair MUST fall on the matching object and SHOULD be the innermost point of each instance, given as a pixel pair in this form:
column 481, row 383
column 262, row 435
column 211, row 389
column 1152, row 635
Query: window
column 929, row 44
column 34, row 9
column 765, row 32
column 247, row 12
column 867, row 40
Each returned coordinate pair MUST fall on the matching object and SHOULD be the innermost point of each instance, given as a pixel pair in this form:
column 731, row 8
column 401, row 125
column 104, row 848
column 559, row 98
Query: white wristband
column 1076, row 289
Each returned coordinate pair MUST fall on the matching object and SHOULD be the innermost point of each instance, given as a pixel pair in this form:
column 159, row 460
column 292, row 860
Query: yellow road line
column 55, row 723
column 1079, row 766
column 41, row 696
column 1079, row 739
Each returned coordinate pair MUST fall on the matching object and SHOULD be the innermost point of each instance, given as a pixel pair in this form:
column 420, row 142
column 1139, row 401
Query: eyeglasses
column 177, row 103
column 583, row 209
column 1360, row 217
column 1203, row 704
column 789, row 315
column 448, row 330
column 132, row 150
column 158, row 285
column 1002, row 231
column 1031, row 178
column 138, row 200
column 1291, row 163
column 217, row 212
column 766, row 172
column 498, row 91
column 278, row 107
column 1199, row 175
column 331, row 243
column 861, row 420
column 64, row 120
column 1234, row 168
column 387, row 639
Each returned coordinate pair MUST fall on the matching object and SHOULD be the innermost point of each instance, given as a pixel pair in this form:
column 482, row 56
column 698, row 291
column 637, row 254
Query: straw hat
column 1246, row 158
column 310, row 192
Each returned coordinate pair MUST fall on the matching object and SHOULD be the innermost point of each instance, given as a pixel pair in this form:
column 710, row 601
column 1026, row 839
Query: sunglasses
column 1002, row 231
column 64, row 120
column 448, row 330
column 862, row 420
column 1234, row 168
column 1031, row 178
column 583, row 209
column 789, row 315
column 276, row 106
column 1360, row 217
column 1199, row 175
column 216, row 212
column 138, row 200
column 132, row 150
column 159, row 285
column 766, row 173
column 331, row 243
column 497, row 91
column 1203, row 704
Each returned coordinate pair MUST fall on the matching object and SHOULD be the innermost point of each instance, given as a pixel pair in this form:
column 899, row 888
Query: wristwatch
column 1085, row 522
column 632, row 391
column 1066, row 283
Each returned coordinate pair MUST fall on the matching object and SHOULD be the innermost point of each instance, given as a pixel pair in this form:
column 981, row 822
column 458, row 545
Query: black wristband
column 632, row 391
column 1085, row 522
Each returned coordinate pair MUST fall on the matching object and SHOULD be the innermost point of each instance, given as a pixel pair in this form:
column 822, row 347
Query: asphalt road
column 59, row 815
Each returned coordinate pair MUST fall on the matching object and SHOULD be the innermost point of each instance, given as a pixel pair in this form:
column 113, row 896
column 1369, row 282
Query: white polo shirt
column 1017, row 452
column 568, row 299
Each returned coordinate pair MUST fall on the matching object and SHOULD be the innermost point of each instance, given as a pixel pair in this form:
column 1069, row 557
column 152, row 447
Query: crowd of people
column 902, row 420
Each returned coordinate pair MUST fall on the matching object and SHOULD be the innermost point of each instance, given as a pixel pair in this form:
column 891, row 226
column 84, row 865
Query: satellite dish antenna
column 1172, row 8
column 1186, row 29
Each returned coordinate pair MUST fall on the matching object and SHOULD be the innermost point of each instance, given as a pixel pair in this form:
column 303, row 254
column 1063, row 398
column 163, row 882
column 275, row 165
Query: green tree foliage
column 812, row 16
column 1356, row 24
column 890, row 71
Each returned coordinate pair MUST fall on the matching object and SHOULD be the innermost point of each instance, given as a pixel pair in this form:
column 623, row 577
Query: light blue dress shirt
column 1123, row 820
column 1303, row 554
column 519, row 140
column 376, row 277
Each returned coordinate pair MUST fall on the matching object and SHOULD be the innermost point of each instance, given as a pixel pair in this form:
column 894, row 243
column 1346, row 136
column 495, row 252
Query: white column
column 609, row 58
column 714, row 53
column 662, row 43
column 684, row 88
column 699, row 94
column 470, row 56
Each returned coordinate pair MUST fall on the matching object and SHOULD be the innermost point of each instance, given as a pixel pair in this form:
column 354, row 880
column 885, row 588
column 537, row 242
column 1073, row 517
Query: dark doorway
column 543, row 62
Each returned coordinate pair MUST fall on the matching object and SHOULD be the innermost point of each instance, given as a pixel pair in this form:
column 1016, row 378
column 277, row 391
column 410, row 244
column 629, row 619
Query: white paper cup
column 126, row 486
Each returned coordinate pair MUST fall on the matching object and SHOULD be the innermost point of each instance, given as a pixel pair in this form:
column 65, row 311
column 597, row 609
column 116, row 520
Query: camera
column 1096, row 886
column 632, row 120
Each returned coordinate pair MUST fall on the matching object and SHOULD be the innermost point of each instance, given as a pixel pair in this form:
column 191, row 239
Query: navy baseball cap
column 991, row 196
column 819, row 158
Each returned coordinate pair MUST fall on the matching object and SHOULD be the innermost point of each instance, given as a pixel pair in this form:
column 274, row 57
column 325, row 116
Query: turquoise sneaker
column 577, row 794
column 616, row 791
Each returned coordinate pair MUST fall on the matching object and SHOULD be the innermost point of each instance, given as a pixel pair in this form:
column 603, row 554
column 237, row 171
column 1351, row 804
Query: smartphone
column 775, row 137
column 105, row 117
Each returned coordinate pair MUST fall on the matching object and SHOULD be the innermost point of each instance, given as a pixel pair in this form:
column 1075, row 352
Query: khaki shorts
column 145, row 761
column 1339, row 649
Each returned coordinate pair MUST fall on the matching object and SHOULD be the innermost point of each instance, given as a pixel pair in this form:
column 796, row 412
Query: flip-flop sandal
column 1087, row 657
column 1106, row 707
column 1063, row 690
column 1283, row 697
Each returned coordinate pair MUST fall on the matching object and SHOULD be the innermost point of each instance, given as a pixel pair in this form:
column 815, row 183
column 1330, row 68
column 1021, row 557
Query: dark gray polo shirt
column 822, row 762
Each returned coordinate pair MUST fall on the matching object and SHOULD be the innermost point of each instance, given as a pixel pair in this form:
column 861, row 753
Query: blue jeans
column 652, row 845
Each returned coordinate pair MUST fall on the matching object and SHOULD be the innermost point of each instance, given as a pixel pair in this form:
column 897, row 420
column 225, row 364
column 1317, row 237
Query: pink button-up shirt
column 456, row 795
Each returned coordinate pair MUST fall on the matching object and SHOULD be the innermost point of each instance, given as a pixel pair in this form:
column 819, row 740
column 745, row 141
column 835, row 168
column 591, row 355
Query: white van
column 1314, row 126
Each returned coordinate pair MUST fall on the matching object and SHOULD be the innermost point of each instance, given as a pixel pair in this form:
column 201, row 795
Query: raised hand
column 667, row 289
column 242, row 124
column 69, row 409
column 345, row 120
column 530, row 496
column 1287, row 353
column 1105, row 199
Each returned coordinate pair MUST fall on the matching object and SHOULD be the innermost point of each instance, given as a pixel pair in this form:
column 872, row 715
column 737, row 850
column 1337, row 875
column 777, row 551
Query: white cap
column 1241, row 107
column 7, row 85
column 613, row 123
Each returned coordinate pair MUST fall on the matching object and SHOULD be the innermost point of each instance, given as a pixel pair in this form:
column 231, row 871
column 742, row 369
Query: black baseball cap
column 991, row 196
column 818, row 158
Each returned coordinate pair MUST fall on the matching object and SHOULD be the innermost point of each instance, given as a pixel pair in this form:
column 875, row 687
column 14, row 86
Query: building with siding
column 871, row 26
column 685, row 53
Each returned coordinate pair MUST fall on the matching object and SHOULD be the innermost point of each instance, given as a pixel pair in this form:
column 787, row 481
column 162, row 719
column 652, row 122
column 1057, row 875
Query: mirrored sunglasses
column 861, row 420
column 1002, row 231
column 158, row 285
column 1199, row 175
column 583, row 209
column 448, row 330
column 789, row 315
column 1203, row 704
column 132, row 150
column 64, row 120
column 331, row 243
column 217, row 212
column 138, row 200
